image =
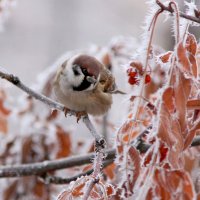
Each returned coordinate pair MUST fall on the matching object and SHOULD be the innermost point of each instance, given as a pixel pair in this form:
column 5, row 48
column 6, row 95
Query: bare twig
column 17, row 82
column 60, row 180
column 183, row 15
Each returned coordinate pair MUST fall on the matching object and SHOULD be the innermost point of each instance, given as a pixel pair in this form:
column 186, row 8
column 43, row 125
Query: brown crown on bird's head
column 91, row 64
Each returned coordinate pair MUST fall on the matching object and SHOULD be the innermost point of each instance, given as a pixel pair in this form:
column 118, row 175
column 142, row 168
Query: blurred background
column 38, row 32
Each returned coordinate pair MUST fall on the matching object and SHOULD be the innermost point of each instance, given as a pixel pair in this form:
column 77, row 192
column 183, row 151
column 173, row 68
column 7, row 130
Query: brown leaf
column 138, row 65
column 106, row 60
column 169, row 132
column 52, row 115
column 165, row 57
column 193, row 104
column 64, row 143
column 174, row 182
column 194, row 66
column 39, row 189
column 3, row 124
column 77, row 191
column 191, row 44
column 182, row 57
column 10, row 192
column 110, row 171
column 110, row 190
column 136, row 164
column 190, row 136
column 168, row 98
column 182, row 89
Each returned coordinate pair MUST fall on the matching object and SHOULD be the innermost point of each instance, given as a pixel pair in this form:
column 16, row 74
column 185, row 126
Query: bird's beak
column 91, row 79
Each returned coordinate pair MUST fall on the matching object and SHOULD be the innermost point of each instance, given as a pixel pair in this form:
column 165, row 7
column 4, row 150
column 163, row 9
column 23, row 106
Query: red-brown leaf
column 78, row 190
column 182, row 57
column 193, row 104
column 165, row 57
column 191, row 44
column 64, row 142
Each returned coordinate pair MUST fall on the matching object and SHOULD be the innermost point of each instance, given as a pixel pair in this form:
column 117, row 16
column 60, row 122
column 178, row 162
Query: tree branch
column 183, row 15
column 59, row 180
column 46, row 166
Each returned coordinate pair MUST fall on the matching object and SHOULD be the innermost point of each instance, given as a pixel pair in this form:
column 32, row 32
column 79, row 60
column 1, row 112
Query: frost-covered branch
column 46, row 166
column 60, row 180
column 183, row 15
column 100, row 142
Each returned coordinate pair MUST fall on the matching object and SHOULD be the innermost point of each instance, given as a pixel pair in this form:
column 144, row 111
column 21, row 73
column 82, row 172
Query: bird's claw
column 66, row 110
column 80, row 114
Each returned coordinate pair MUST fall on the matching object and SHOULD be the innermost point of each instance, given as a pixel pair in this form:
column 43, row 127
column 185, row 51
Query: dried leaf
column 182, row 57
column 64, row 143
column 182, row 89
column 191, row 44
column 110, row 190
column 10, row 191
column 193, row 104
column 110, row 171
column 138, row 65
column 165, row 57
column 168, row 99
column 190, row 136
column 136, row 160
column 176, row 182
column 78, row 190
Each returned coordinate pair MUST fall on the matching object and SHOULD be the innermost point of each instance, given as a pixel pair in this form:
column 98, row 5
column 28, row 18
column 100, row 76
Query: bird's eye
column 84, row 70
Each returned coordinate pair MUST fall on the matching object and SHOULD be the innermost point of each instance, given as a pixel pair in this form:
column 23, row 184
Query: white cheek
column 68, row 79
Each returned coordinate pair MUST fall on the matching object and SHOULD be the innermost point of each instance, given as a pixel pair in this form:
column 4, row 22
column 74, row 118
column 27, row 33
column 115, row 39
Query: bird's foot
column 80, row 114
column 66, row 110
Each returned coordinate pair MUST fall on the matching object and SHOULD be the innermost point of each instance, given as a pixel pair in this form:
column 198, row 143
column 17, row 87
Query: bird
column 84, row 85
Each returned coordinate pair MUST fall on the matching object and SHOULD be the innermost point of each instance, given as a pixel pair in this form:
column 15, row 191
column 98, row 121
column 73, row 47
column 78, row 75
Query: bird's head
column 82, row 72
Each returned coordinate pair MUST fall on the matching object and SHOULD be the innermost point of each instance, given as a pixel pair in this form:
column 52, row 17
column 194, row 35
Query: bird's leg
column 80, row 114
column 66, row 110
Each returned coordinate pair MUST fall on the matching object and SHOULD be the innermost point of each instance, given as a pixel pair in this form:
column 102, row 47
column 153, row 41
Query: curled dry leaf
column 191, row 44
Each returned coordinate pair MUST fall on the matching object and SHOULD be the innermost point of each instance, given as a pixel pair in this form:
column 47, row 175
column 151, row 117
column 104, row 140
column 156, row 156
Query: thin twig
column 183, row 15
column 17, row 82
column 60, row 180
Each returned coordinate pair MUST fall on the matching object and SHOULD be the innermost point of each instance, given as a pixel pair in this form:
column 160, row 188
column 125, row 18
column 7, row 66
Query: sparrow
column 83, row 84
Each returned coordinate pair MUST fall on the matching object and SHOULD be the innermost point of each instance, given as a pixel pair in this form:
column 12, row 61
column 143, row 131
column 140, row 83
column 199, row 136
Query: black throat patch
column 83, row 86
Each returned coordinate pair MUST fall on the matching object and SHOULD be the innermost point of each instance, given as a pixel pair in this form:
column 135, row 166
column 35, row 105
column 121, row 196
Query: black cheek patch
column 83, row 86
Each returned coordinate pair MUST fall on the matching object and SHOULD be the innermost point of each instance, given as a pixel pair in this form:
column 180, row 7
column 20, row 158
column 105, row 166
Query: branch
column 183, row 15
column 59, row 180
column 46, row 166
column 100, row 142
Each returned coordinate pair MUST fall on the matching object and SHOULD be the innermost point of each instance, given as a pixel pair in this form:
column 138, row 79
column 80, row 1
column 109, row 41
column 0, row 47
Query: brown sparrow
column 83, row 84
